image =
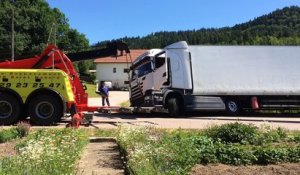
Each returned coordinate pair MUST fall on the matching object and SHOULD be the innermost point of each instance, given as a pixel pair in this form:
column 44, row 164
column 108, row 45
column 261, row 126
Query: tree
column 34, row 20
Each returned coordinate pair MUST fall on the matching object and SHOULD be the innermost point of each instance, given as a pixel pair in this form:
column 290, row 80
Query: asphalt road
column 191, row 121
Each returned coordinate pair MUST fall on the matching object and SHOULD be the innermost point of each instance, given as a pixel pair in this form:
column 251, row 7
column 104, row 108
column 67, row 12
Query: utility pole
column 13, row 32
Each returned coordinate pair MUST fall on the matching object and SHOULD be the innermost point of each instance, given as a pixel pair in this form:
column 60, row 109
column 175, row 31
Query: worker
column 104, row 91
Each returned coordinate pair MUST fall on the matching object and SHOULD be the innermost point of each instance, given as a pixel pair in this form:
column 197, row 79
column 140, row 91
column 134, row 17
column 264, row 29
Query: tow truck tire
column 45, row 110
column 10, row 109
column 232, row 107
column 173, row 107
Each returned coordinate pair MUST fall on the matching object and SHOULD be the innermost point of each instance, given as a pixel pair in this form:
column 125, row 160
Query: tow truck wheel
column 10, row 109
column 45, row 110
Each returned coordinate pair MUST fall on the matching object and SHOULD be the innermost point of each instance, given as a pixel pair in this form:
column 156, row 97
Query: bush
column 269, row 135
column 271, row 155
column 294, row 154
column 217, row 152
column 234, row 133
column 297, row 137
column 8, row 134
column 206, row 149
column 234, row 154
column 175, row 154
column 23, row 129
column 281, row 132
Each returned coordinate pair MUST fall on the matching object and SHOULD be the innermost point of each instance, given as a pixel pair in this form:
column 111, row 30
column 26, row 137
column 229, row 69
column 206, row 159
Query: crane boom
column 110, row 50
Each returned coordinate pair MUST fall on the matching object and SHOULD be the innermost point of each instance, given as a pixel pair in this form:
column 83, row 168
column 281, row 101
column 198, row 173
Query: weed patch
column 152, row 151
column 46, row 152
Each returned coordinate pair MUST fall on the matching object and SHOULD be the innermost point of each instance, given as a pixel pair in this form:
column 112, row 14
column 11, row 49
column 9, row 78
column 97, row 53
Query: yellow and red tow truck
column 46, row 86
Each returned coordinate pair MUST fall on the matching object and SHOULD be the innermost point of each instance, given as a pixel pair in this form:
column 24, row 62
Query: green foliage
column 152, row 151
column 91, row 88
column 297, row 137
column 271, row 155
column 211, row 151
column 234, row 154
column 234, row 133
column 20, row 131
column 269, row 135
column 174, row 154
column 206, row 149
column 129, row 138
column 281, row 27
column 33, row 23
column 281, row 132
column 8, row 134
column 293, row 154
column 46, row 152
column 82, row 67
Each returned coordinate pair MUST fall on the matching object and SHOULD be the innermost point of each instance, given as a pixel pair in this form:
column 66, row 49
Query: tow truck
column 45, row 87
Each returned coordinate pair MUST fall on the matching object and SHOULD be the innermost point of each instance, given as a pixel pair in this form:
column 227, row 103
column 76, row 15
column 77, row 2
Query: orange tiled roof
column 121, row 59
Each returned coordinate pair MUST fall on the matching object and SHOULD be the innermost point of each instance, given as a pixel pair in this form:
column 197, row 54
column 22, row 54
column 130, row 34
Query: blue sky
column 111, row 19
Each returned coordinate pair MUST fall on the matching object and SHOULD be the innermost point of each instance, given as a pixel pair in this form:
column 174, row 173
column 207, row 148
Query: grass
column 91, row 88
column 21, row 130
column 101, row 132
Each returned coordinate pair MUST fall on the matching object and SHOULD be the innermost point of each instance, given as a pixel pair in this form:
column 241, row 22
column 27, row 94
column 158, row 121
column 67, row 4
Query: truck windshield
column 143, row 69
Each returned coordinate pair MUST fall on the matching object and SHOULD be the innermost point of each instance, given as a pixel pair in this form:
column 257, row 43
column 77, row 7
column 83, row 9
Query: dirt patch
column 220, row 169
column 8, row 149
column 101, row 157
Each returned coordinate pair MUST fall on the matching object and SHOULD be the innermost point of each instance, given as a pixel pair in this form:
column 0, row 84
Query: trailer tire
column 10, row 109
column 232, row 107
column 45, row 110
column 173, row 107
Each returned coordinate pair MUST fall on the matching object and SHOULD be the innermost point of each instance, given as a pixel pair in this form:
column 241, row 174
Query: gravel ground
column 220, row 169
column 7, row 149
column 115, row 98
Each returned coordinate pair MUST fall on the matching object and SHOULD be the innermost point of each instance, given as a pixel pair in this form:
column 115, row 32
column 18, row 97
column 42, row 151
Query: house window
column 114, row 70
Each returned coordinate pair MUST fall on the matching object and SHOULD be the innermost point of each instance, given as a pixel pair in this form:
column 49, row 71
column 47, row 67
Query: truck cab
column 156, row 74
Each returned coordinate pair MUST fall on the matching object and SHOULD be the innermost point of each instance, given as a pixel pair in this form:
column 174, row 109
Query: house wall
column 105, row 73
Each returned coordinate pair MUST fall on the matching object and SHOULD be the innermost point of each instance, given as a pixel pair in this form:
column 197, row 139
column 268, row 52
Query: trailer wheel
column 10, row 109
column 173, row 107
column 232, row 107
column 45, row 110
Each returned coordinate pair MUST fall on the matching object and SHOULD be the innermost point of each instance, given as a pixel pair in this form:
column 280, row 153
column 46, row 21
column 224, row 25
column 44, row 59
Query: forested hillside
column 33, row 22
column 281, row 27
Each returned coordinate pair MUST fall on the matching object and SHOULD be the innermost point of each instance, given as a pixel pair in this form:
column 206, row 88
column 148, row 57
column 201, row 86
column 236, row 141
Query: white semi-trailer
column 232, row 78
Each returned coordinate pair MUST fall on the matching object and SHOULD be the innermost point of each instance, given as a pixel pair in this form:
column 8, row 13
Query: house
column 111, row 69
